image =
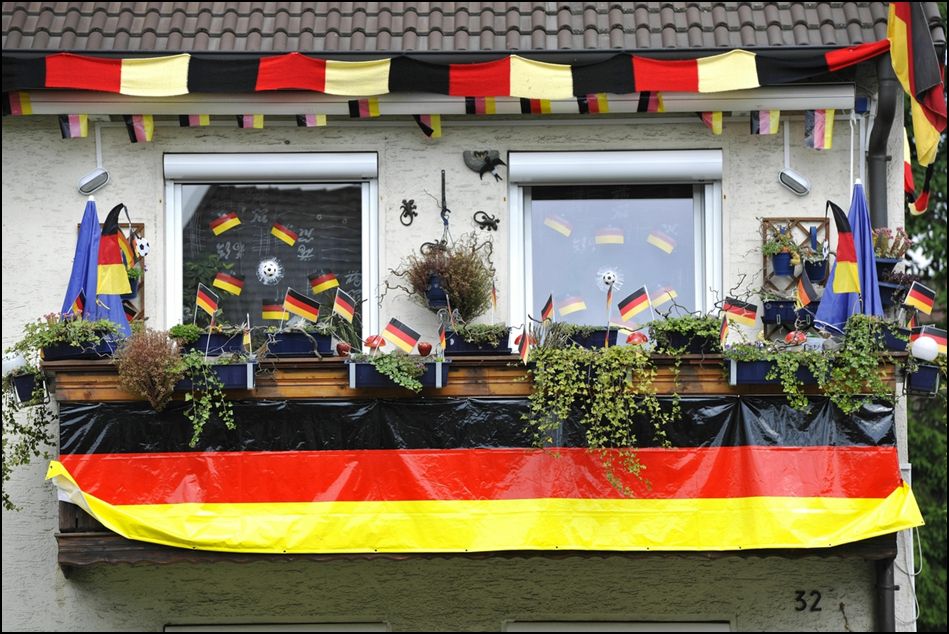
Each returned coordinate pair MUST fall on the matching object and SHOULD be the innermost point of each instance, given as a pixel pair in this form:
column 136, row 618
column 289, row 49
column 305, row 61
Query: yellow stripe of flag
column 531, row 79
column 829, row 129
column 734, row 70
column 155, row 76
column 357, row 78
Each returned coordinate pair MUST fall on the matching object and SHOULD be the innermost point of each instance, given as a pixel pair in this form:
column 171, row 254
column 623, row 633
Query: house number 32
column 801, row 601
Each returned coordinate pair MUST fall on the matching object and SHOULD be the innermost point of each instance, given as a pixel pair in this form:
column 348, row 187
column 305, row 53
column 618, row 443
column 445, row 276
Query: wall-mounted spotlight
column 99, row 177
column 797, row 183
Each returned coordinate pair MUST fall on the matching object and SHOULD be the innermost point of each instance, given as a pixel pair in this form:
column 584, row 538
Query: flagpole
column 649, row 299
column 283, row 310
column 609, row 302
column 207, row 342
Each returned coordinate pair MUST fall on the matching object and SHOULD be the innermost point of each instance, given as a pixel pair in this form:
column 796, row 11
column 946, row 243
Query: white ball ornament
column 925, row 348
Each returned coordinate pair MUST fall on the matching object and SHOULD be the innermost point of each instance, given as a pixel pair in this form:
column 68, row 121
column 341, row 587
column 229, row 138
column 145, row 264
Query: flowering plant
column 891, row 244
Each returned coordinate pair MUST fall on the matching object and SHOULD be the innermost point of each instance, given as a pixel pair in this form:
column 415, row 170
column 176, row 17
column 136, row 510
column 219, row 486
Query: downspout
column 887, row 98
column 886, row 596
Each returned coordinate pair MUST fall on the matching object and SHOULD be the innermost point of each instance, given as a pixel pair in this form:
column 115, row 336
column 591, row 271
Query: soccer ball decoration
column 142, row 248
column 607, row 277
column 270, row 271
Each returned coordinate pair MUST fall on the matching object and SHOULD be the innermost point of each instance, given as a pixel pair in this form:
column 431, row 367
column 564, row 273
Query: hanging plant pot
column 23, row 386
column 456, row 346
column 217, row 344
column 885, row 266
column 781, row 264
column 101, row 349
column 596, row 339
column 925, row 380
column 435, row 293
column 234, row 376
column 888, row 293
column 779, row 311
column 755, row 373
column 133, row 283
column 364, row 375
column 816, row 271
column 299, row 344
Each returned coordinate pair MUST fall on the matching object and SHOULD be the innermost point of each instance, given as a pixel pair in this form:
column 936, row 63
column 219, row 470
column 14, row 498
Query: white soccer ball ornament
column 142, row 248
column 270, row 271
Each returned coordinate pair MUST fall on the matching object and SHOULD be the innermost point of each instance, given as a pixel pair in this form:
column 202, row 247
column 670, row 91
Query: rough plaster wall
column 40, row 212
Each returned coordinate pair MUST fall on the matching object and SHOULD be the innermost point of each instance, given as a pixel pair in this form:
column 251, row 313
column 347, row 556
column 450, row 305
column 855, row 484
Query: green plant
column 482, row 334
column 689, row 327
column 402, row 369
column 891, row 244
column 197, row 271
column 149, row 366
column 134, row 273
column 780, row 241
column 53, row 329
column 813, row 255
column 27, row 428
column 785, row 366
column 466, row 273
column 185, row 333
column 206, row 395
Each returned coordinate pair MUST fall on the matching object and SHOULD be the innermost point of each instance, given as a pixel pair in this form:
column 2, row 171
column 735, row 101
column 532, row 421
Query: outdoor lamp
column 925, row 348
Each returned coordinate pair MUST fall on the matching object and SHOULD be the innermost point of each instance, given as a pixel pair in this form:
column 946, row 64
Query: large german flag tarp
column 459, row 475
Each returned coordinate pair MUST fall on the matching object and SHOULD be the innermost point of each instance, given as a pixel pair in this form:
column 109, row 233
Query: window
column 643, row 219
column 261, row 224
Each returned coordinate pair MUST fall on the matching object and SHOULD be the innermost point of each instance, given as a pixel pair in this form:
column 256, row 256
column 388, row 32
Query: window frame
column 271, row 168
column 702, row 169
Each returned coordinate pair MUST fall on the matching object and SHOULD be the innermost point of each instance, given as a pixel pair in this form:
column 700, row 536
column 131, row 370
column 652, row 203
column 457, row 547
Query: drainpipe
column 886, row 596
column 887, row 98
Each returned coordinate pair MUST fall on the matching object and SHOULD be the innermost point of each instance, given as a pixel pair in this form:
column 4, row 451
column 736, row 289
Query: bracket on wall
column 408, row 212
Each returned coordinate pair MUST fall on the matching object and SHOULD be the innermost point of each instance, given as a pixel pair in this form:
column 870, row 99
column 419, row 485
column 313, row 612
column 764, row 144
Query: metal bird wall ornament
column 483, row 162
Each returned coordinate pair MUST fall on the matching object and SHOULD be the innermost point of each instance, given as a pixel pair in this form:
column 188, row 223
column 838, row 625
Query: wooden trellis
column 800, row 229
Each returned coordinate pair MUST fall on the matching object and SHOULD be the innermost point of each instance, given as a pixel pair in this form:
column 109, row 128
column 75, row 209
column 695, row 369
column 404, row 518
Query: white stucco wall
column 41, row 209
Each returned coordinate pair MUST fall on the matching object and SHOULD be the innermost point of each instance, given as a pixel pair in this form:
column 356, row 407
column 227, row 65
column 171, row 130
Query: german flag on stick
column 635, row 303
column 229, row 282
column 742, row 312
column 78, row 304
column 938, row 334
column 112, row 275
column 223, row 223
column 723, row 332
column 524, row 345
column 344, row 305
column 320, row 282
column 846, row 275
column 805, row 291
column 920, row 297
column 400, row 335
column 284, row 234
column 300, row 304
column 547, row 312
column 207, row 300
column 272, row 309
column 442, row 336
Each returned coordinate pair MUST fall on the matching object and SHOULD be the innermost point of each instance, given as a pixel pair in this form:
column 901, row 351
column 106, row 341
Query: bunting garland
column 819, row 129
column 429, row 124
column 712, row 121
column 252, row 121
column 141, row 127
column 74, row 126
column 311, row 120
column 194, row 120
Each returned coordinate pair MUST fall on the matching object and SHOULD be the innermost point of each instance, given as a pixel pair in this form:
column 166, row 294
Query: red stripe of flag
column 482, row 474
column 403, row 332
column 79, row 72
column 668, row 75
column 844, row 57
column 292, row 71
column 486, row 79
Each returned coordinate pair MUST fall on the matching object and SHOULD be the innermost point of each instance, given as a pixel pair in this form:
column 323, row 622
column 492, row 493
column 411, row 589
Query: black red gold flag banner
column 635, row 303
column 429, row 124
column 661, row 241
column 440, row 488
column 251, row 121
column 194, row 120
column 78, row 304
column 920, row 203
column 320, row 282
column 571, row 304
column 344, row 305
column 232, row 283
column 140, row 127
column 765, row 121
column 364, row 108
column 846, row 275
column 535, row 106
column 284, row 234
column 819, row 129
column 742, row 312
column 224, row 222
column 547, row 312
column 723, row 332
column 128, row 254
column 400, row 335
column 17, row 104
column 559, row 224
column 663, row 296
column 112, row 277
column 806, row 293
column 74, row 126
column 712, row 121
column 593, row 104
column 442, row 336
column 272, row 310
column 524, row 345
column 610, row 235
column 311, row 120
column 480, row 105
column 920, row 297
column 207, row 300
column 300, row 304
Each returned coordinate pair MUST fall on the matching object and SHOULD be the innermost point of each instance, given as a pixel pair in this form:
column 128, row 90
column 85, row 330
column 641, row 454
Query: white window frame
column 702, row 168
column 264, row 168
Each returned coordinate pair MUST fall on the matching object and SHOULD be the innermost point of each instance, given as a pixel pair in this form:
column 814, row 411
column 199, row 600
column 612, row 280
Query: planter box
column 63, row 351
column 298, row 344
column 692, row 345
column 888, row 290
column 816, row 271
column 885, row 266
column 455, row 346
column 234, row 376
column 925, row 380
column 596, row 339
column 23, row 387
column 365, row 375
column 754, row 373
column 805, row 315
column 779, row 311
column 893, row 343
column 217, row 344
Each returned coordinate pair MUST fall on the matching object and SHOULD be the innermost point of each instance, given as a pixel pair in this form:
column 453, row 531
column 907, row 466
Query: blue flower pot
column 892, row 342
column 888, row 293
column 816, row 271
column 133, row 283
column 781, row 264
column 596, row 339
column 885, row 266
column 298, row 344
column 754, row 373
column 456, row 346
column 779, row 311
column 217, row 344
column 435, row 294
column 234, row 376
column 63, row 351
column 364, row 375
column 23, row 386
column 925, row 380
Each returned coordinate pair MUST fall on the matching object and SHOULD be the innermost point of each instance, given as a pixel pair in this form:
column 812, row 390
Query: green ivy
column 206, row 396
column 692, row 327
column 482, row 334
column 402, row 369
column 27, row 429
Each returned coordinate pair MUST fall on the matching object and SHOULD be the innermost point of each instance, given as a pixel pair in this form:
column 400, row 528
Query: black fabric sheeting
column 454, row 423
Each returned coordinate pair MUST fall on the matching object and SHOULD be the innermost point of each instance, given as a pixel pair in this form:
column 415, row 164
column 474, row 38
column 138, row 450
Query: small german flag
column 742, row 312
column 938, row 334
column 284, row 234
column 78, row 304
column 300, row 304
column 559, row 225
column 723, row 332
column 524, row 347
column 921, row 298
column 273, row 309
column 765, row 121
column 207, row 300
column 912, row 322
column 664, row 296
column 230, row 282
column 494, row 296
column 661, row 241
column 246, row 339
column 480, row 105
column 74, row 126
column 819, row 129
column 442, row 336
column 649, row 101
column 400, row 335
column 429, row 124
column 594, row 103
column 140, row 127
column 194, row 120
column 712, row 121
column 127, row 253
column 344, row 305
column 129, row 308
column 571, row 305
column 547, row 312
column 320, row 282
column 535, row 106
column 112, row 274
column 311, row 120
column 224, row 222
column 635, row 303
column 252, row 121
column 805, row 291
column 846, row 275
column 364, row 108
column 609, row 235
